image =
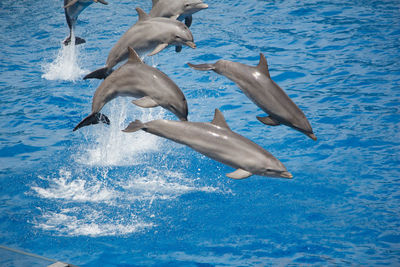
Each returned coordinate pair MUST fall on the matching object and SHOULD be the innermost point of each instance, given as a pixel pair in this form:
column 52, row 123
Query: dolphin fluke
column 94, row 118
column 98, row 74
column 134, row 126
column 202, row 66
column 78, row 41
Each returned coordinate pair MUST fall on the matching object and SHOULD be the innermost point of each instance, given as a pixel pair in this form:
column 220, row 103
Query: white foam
column 75, row 190
column 107, row 145
column 66, row 65
column 65, row 223
column 95, row 203
column 162, row 184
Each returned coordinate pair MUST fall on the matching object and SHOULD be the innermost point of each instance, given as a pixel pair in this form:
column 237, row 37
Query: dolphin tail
column 98, row 74
column 134, row 126
column 202, row 66
column 78, row 40
column 94, row 118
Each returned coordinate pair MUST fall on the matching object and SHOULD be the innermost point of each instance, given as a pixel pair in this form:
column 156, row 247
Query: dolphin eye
column 177, row 37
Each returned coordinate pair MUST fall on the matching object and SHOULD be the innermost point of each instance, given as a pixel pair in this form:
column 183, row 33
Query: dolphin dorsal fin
column 155, row 2
column 263, row 65
column 219, row 119
column 142, row 15
column 133, row 56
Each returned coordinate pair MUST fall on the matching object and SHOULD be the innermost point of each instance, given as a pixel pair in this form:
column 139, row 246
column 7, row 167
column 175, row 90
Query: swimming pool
column 100, row 197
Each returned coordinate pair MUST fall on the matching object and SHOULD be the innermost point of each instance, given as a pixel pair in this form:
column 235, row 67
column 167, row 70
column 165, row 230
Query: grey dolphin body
column 217, row 141
column 148, row 34
column 136, row 79
column 72, row 9
column 257, row 85
column 177, row 9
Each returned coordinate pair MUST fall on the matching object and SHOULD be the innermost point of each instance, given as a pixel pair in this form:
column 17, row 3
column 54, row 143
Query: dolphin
column 136, row 79
column 177, row 9
column 72, row 9
column 256, row 84
column 146, row 35
column 217, row 141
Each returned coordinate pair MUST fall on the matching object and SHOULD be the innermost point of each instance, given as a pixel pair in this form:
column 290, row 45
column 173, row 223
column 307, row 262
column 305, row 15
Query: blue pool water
column 100, row 197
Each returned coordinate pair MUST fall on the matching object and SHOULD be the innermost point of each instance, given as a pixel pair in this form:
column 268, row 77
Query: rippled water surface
column 100, row 197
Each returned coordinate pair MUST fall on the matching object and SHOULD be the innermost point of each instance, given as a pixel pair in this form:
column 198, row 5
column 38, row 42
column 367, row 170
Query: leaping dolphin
column 136, row 79
column 177, row 9
column 256, row 84
column 148, row 34
column 72, row 9
column 217, row 141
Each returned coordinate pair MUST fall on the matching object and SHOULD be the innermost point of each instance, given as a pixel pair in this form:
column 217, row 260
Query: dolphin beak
column 191, row 44
column 312, row 136
column 202, row 6
column 286, row 175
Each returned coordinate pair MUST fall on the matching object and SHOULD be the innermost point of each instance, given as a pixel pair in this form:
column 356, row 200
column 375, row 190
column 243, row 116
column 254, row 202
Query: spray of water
column 66, row 65
column 125, row 196
column 107, row 145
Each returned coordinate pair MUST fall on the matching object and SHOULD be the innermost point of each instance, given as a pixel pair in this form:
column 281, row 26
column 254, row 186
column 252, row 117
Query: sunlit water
column 101, row 197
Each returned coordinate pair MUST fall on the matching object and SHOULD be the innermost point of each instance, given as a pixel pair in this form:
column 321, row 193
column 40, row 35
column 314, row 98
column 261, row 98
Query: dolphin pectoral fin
column 145, row 102
column 70, row 3
column 94, row 118
column 98, row 74
column 134, row 126
column 178, row 48
column 158, row 49
column 268, row 121
column 239, row 174
column 202, row 66
column 188, row 20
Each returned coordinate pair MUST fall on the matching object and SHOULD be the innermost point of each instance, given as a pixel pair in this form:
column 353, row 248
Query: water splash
column 66, row 65
column 107, row 145
column 68, row 222
column 103, row 204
